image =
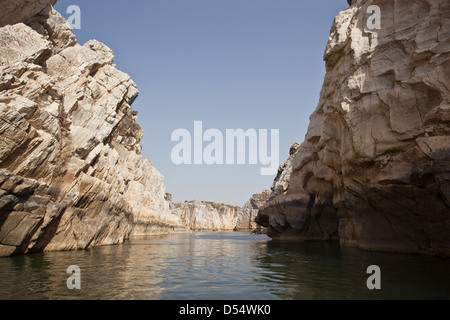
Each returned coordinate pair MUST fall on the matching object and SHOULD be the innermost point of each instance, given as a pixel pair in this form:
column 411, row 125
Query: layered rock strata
column 374, row 169
column 246, row 219
column 71, row 172
column 206, row 216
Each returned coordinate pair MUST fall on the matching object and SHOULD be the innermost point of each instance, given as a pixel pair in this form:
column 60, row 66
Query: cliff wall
column 374, row 169
column 71, row 172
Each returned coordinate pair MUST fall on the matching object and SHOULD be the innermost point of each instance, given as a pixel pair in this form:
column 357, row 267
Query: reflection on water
column 219, row 265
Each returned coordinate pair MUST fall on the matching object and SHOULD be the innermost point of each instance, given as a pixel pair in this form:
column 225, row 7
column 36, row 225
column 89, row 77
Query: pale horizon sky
column 232, row 64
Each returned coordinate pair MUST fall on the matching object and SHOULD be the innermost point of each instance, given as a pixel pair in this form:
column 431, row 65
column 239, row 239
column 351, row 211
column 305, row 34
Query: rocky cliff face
column 374, row 169
column 71, row 172
column 206, row 216
column 246, row 219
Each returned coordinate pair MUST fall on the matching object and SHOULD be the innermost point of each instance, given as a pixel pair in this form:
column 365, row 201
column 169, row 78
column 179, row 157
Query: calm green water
column 222, row 266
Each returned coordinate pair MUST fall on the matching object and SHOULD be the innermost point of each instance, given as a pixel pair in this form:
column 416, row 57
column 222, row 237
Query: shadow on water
column 217, row 265
column 327, row 271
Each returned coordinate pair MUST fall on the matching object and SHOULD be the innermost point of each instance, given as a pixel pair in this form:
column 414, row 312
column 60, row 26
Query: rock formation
column 246, row 219
column 71, row 172
column 206, row 216
column 281, row 181
column 374, row 169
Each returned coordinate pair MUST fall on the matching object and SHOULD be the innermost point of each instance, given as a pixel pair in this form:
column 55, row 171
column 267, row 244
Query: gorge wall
column 246, row 219
column 71, row 172
column 374, row 169
column 206, row 216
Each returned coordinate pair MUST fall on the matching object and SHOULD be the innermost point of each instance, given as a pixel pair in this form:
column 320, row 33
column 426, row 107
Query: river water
column 222, row 266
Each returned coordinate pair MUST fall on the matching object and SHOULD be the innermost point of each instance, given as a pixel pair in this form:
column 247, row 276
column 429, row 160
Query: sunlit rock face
column 206, row 216
column 71, row 172
column 374, row 169
column 246, row 219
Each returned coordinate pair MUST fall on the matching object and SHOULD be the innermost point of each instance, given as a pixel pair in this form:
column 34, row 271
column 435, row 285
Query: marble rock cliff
column 374, row 169
column 206, row 216
column 246, row 219
column 71, row 172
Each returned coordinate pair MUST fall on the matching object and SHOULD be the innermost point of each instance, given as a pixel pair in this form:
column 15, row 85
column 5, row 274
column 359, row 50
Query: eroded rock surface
column 374, row 169
column 246, row 219
column 206, row 216
column 71, row 172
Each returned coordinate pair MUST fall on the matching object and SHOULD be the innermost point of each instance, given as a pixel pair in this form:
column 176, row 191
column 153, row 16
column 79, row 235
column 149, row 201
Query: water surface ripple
column 222, row 266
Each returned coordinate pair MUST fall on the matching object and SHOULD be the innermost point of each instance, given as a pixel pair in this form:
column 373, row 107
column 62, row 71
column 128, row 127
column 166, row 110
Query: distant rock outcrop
column 374, row 169
column 71, row 172
column 246, row 218
column 206, row 216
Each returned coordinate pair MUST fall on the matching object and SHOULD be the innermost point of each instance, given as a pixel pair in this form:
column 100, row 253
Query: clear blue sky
column 229, row 63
